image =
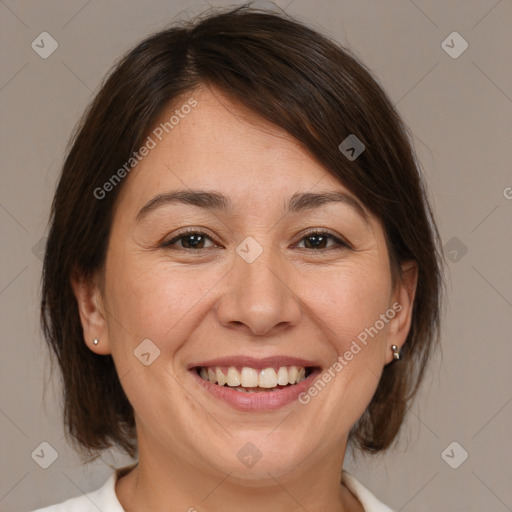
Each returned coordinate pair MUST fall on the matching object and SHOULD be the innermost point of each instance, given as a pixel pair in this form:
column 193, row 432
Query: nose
column 259, row 298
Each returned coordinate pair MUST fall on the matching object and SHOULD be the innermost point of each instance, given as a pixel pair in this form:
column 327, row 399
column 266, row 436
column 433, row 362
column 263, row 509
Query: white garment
column 105, row 498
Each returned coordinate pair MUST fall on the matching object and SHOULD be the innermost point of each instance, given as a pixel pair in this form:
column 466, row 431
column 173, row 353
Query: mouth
column 252, row 380
column 251, row 384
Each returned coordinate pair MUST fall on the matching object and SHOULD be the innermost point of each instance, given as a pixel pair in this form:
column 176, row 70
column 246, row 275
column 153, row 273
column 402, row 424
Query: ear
column 92, row 312
column 402, row 304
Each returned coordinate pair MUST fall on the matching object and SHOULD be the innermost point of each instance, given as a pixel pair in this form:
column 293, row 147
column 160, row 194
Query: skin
column 207, row 302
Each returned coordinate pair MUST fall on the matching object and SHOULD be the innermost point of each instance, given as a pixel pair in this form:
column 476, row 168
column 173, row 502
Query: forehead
column 221, row 145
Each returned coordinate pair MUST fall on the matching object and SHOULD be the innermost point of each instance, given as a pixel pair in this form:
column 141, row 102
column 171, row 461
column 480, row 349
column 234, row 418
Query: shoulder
column 368, row 500
column 103, row 499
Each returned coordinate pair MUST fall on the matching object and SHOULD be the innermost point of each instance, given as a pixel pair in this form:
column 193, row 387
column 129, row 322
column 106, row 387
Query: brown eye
column 189, row 240
column 318, row 240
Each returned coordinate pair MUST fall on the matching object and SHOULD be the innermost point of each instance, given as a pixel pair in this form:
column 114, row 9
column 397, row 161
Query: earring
column 96, row 341
column 396, row 352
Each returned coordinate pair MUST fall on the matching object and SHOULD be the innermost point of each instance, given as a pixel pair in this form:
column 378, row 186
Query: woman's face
column 261, row 289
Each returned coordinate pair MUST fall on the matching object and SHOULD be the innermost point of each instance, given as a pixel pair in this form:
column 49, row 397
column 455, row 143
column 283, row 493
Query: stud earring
column 96, row 341
column 396, row 352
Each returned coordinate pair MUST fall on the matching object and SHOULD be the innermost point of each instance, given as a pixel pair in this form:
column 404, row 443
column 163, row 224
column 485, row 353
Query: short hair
column 293, row 77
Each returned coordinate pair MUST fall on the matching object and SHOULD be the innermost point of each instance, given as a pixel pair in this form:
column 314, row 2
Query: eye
column 194, row 239
column 189, row 239
column 317, row 240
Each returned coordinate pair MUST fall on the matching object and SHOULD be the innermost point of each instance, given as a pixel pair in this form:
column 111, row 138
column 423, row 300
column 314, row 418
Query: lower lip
column 258, row 400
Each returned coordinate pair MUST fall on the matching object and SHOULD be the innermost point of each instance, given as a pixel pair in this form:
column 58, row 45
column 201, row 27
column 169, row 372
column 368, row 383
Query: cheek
column 349, row 300
column 348, row 305
column 157, row 300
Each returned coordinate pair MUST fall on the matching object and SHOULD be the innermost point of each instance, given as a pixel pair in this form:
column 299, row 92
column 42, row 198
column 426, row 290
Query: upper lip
column 254, row 362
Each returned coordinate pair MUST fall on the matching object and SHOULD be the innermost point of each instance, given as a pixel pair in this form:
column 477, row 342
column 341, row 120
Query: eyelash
column 170, row 244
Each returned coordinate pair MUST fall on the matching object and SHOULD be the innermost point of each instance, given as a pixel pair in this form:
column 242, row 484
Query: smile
column 251, row 380
column 253, row 384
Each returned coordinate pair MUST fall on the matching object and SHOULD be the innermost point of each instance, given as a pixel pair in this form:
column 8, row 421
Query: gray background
column 460, row 113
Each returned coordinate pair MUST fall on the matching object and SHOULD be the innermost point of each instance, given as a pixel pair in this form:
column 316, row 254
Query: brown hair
column 298, row 80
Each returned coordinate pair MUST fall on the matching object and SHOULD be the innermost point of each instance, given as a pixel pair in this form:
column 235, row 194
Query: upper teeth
column 251, row 378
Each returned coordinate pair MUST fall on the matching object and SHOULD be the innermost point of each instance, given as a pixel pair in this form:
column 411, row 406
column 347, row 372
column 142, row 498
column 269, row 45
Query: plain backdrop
column 460, row 112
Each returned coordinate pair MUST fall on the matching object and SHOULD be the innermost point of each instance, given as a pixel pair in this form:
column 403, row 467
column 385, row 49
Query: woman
column 242, row 277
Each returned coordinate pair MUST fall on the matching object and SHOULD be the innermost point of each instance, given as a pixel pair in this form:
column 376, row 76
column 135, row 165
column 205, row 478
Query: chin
column 256, row 458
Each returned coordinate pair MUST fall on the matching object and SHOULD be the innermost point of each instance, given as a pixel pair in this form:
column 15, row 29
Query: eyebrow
column 299, row 202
